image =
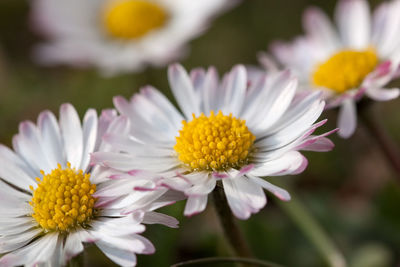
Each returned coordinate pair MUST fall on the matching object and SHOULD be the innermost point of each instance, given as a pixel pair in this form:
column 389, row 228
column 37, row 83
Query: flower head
column 120, row 35
column 53, row 201
column 359, row 56
column 233, row 131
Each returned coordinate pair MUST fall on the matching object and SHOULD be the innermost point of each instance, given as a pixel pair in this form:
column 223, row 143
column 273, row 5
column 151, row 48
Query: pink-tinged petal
column 220, row 175
column 246, row 169
column 280, row 193
column 122, row 105
column 380, row 76
column 318, row 143
column 197, row 76
column 183, row 90
column 195, row 205
column 353, row 20
column 347, row 120
column 160, row 218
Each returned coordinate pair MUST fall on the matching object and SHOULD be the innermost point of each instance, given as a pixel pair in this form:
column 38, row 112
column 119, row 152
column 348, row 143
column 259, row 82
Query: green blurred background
column 351, row 191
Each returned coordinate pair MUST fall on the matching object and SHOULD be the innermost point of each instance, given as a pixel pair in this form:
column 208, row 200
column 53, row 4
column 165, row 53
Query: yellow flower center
column 63, row 199
column 216, row 142
column 130, row 19
column 345, row 70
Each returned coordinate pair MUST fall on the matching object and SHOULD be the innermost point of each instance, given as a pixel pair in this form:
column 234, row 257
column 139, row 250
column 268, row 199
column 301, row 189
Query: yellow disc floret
column 63, row 199
column 216, row 142
column 131, row 19
column 345, row 70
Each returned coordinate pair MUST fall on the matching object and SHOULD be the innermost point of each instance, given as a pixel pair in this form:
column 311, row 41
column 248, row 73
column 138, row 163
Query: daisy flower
column 53, row 201
column 232, row 132
column 120, row 35
column 357, row 57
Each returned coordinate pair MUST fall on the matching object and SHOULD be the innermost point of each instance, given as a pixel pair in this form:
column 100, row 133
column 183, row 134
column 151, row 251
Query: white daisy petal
column 14, row 175
column 50, row 133
column 90, row 125
column 244, row 197
column 386, row 28
column 120, row 257
column 383, row 94
column 12, row 242
column 290, row 163
column 235, row 91
column 107, row 35
column 71, row 132
column 353, row 19
column 73, row 245
column 210, row 90
column 160, row 218
column 318, row 25
column 36, row 252
column 31, row 235
column 183, row 90
column 347, row 120
column 359, row 61
column 280, row 193
column 239, row 125
column 28, row 145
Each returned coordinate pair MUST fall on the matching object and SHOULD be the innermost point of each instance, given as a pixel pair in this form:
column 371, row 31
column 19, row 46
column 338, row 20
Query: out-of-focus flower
column 120, row 35
column 359, row 57
column 234, row 131
column 52, row 201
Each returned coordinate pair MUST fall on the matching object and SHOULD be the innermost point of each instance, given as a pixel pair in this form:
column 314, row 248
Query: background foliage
column 351, row 191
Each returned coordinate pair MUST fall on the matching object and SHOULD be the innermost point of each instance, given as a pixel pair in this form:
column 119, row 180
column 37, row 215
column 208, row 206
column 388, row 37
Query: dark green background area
column 351, row 191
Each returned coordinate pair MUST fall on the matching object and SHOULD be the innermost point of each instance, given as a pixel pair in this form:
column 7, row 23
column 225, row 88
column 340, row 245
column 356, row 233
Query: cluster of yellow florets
column 345, row 70
column 63, row 199
column 129, row 19
column 214, row 143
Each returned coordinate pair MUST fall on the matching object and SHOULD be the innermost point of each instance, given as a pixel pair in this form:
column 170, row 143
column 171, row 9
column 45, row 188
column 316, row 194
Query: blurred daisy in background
column 358, row 58
column 120, row 35
column 231, row 132
column 52, row 200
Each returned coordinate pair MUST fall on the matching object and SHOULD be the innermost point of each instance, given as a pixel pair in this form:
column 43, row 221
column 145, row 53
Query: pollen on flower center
column 130, row 19
column 63, row 199
column 345, row 70
column 216, row 142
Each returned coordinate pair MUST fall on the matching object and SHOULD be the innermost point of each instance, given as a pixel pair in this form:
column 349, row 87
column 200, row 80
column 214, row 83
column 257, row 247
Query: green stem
column 313, row 231
column 228, row 223
column 206, row 261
